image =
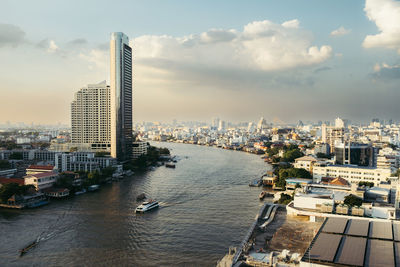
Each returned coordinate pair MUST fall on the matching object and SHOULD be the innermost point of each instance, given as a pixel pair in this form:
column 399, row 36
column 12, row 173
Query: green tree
column 370, row 184
column 352, row 200
column 295, row 173
column 8, row 190
column 291, row 155
column 285, row 199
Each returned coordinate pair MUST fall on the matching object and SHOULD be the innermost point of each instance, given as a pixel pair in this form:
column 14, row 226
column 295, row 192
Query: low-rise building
column 305, row 162
column 34, row 169
column 353, row 174
column 138, row 149
column 41, row 180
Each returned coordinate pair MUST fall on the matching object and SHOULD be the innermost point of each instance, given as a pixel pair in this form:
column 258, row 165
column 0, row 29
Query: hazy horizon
column 281, row 60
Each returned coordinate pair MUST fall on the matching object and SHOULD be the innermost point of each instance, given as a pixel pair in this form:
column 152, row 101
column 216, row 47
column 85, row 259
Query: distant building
column 305, row 162
column 35, row 169
column 82, row 161
column 138, row 149
column 332, row 135
column 353, row 174
column 355, row 154
column 91, row 117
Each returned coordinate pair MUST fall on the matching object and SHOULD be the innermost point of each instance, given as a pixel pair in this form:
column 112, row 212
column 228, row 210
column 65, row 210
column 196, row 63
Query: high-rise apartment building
column 121, row 96
column 91, row 117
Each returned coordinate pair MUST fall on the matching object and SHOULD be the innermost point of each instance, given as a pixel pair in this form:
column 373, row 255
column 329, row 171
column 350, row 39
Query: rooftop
column 354, row 242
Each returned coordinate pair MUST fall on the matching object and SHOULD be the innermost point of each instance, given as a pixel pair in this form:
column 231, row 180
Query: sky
column 284, row 60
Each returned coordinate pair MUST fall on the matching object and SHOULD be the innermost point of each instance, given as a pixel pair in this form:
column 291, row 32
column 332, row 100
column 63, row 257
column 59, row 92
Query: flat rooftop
column 355, row 242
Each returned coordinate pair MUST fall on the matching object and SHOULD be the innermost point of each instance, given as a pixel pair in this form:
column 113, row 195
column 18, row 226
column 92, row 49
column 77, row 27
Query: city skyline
column 241, row 63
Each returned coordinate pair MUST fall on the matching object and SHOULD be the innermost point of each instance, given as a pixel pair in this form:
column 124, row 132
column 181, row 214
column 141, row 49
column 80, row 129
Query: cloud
column 385, row 72
column 262, row 45
column 52, row 47
column 77, row 42
column 11, row 35
column 97, row 57
column 340, row 31
column 322, row 69
column 386, row 15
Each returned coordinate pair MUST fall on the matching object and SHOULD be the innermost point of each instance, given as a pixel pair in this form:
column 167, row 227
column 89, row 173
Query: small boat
column 147, row 206
column 83, row 191
column 93, row 187
column 262, row 195
column 141, row 196
column 170, row 165
column 256, row 183
column 27, row 248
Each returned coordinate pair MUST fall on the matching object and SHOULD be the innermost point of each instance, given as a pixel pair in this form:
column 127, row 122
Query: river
column 206, row 206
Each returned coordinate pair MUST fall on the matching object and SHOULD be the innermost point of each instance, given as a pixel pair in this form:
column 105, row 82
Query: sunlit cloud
column 386, row 15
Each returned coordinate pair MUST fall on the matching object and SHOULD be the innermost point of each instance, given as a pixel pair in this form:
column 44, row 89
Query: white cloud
column 386, row 72
column 52, row 47
column 386, row 15
column 340, row 31
column 262, row 45
column 97, row 57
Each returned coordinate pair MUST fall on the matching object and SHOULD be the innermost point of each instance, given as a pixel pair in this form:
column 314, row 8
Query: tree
column 8, row 190
column 291, row 155
column 370, row 184
column 285, row 199
column 295, row 173
column 352, row 200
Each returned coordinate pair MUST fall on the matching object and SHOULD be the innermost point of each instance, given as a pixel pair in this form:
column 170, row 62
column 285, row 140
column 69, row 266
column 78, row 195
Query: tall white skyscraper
column 121, row 96
column 91, row 117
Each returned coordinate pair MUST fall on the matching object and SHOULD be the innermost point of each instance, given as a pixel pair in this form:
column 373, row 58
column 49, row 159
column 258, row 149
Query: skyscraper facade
column 91, row 117
column 121, row 96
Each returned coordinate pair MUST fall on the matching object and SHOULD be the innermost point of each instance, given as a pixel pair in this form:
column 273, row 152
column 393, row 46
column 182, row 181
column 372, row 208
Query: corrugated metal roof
column 381, row 230
column 325, row 247
column 379, row 253
column 335, row 225
column 357, row 227
column 396, row 231
column 351, row 251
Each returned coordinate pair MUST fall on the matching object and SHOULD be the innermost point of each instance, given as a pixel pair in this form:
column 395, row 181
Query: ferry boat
column 147, row 206
column 94, row 187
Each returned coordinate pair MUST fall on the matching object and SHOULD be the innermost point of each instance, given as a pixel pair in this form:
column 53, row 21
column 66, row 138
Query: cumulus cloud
column 386, row 15
column 386, row 72
column 340, row 31
column 262, row 45
column 11, row 35
column 52, row 47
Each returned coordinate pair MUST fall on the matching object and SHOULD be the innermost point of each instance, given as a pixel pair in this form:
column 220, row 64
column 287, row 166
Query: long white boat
column 147, row 206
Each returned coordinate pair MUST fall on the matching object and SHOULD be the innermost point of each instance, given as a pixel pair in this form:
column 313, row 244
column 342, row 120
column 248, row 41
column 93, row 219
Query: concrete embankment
column 264, row 217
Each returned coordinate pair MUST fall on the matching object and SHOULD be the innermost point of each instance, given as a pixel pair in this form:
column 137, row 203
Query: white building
column 352, row 173
column 91, row 117
column 305, row 162
column 138, row 149
column 82, row 161
column 41, row 180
